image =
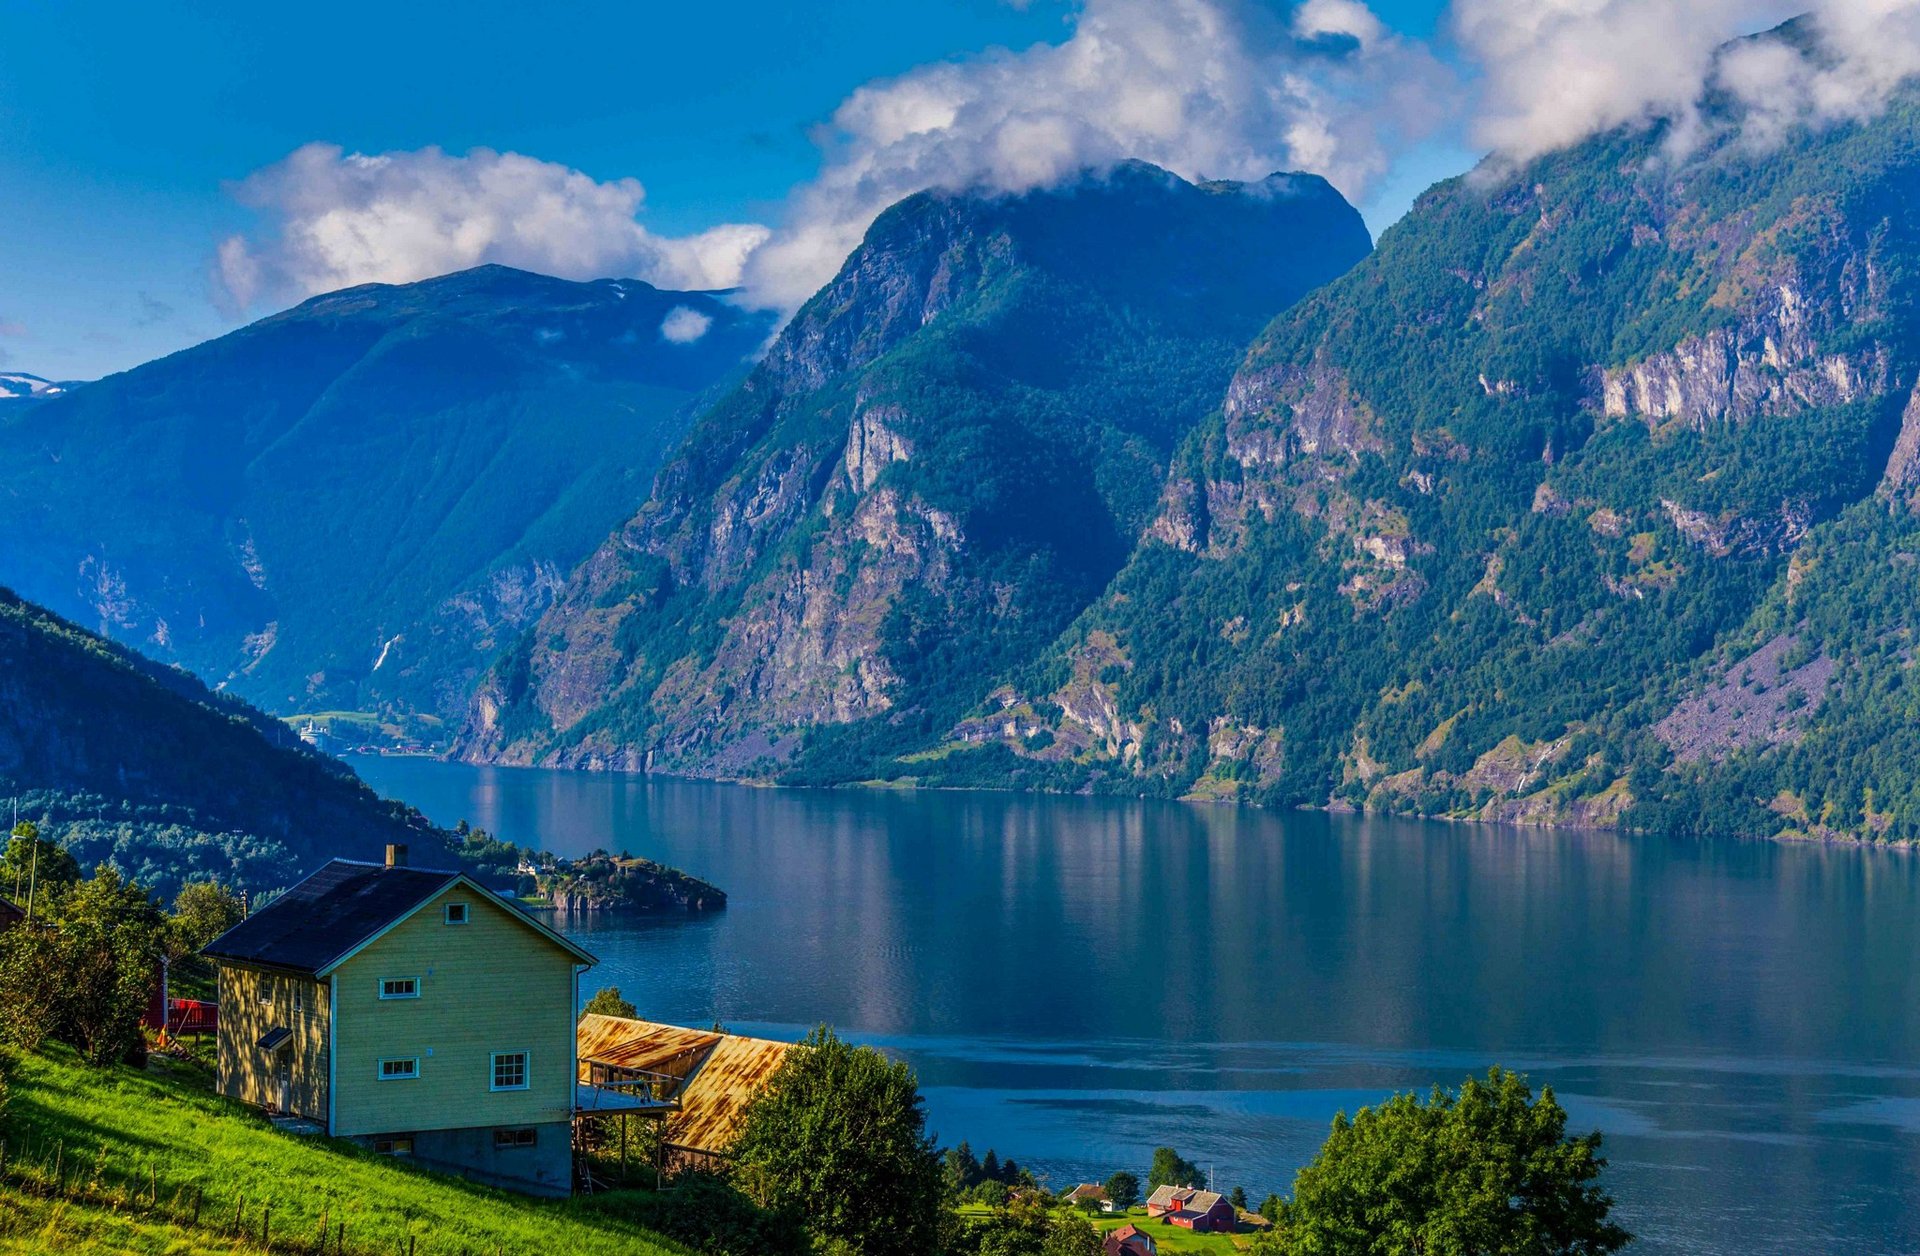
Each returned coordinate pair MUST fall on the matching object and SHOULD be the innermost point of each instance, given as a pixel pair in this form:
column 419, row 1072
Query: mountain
column 349, row 504
column 1591, row 497
column 941, row 461
column 118, row 756
column 15, row 386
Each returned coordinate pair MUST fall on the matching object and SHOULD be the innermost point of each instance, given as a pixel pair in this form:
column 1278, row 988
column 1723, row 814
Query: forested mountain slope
column 1593, row 495
column 942, row 460
column 118, row 756
column 352, row 503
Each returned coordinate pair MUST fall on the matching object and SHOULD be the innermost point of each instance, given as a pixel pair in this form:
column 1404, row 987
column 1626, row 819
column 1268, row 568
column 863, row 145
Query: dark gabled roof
column 327, row 915
column 325, row 919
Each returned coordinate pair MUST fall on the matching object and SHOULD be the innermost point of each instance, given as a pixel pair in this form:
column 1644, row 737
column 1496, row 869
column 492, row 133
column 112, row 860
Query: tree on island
column 1171, row 1169
column 609, row 1003
column 1123, row 1189
column 1487, row 1169
column 838, row 1138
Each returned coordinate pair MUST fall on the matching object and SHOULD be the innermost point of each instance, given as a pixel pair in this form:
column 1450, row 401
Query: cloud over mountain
column 1552, row 72
column 1220, row 88
column 332, row 219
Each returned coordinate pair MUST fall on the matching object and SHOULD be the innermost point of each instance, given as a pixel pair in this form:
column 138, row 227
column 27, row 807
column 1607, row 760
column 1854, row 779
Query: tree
column 1487, row 1169
column 1238, row 1198
column 1068, row 1235
column 1123, row 1189
column 838, row 1137
column 1170, row 1169
column 108, row 950
column 961, row 1169
column 202, row 911
column 990, row 1167
column 607, row 1002
column 34, row 867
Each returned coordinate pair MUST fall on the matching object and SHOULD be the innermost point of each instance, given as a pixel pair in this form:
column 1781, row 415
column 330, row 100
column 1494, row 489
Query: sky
column 169, row 172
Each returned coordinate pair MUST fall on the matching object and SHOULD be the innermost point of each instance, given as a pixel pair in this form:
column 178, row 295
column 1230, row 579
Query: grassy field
column 139, row 1151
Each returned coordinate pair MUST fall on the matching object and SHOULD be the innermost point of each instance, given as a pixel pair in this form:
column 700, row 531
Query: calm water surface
column 1080, row 980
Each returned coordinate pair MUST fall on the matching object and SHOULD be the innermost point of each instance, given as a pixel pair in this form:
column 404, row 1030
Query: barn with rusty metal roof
column 706, row 1077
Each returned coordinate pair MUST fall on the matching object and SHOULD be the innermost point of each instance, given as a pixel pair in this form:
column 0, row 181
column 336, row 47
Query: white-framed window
column 400, row 1069
column 457, row 913
column 399, row 987
column 511, row 1140
column 510, row 1071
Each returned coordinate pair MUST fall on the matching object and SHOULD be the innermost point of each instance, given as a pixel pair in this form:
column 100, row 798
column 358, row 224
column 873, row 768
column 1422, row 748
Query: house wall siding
column 487, row 986
column 253, row 1002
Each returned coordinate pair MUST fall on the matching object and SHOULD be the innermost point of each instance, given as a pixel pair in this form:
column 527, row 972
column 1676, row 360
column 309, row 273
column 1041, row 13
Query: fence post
column 266, row 1233
column 199, row 1194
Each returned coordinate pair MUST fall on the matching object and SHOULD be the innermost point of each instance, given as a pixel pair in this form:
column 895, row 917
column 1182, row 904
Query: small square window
column 393, row 1146
column 400, row 1070
column 456, row 913
column 399, row 987
column 510, row 1070
column 509, row 1140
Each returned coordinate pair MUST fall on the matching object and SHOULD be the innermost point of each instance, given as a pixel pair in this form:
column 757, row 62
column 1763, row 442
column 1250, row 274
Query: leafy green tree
column 32, row 986
column 34, row 865
column 990, row 1167
column 202, row 911
column 608, row 1002
column 1070, row 1236
column 838, row 1137
column 109, row 945
column 990, row 1191
column 1238, row 1198
column 961, row 1169
column 1171, row 1169
column 1123, row 1188
column 1487, row 1170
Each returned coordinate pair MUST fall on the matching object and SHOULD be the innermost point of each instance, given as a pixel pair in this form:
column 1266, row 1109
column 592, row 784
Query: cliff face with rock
column 1590, row 497
column 942, row 460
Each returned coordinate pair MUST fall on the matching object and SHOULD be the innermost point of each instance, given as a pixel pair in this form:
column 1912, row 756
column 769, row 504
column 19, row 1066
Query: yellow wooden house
column 411, row 1010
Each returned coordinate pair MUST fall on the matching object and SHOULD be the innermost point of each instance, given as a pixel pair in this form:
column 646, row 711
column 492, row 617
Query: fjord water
column 1080, row 980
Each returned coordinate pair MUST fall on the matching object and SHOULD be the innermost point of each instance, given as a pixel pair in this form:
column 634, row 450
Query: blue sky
column 124, row 129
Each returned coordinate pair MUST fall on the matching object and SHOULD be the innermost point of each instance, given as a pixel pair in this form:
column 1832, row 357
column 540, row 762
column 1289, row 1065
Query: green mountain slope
column 120, row 757
column 1589, row 497
column 351, row 504
column 943, row 459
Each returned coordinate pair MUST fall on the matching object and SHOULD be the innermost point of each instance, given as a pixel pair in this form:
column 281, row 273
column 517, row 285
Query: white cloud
column 683, row 325
column 333, row 219
column 1221, row 88
column 1552, row 72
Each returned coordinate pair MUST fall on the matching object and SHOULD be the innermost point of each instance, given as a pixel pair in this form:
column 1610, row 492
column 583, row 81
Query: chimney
column 396, row 856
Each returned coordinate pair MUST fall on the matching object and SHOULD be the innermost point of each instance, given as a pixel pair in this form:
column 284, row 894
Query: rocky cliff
column 941, row 461
column 1590, row 497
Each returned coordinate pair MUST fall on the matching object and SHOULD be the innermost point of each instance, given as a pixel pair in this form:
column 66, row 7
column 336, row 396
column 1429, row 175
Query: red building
column 1203, row 1212
column 1128, row 1241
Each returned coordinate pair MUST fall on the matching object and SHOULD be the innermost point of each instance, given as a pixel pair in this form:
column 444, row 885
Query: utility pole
column 33, row 879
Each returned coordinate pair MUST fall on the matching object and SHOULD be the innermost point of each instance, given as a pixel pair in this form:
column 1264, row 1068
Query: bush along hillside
column 1593, row 496
column 941, row 461
column 122, row 759
column 352, row 504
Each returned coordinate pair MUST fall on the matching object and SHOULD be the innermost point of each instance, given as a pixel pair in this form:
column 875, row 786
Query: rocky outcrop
column 1768, row 365
column 1764, row 699
column 1901, row 481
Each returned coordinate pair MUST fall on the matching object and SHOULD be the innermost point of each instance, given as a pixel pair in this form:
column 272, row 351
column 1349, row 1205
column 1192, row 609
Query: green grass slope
column 137, row 1148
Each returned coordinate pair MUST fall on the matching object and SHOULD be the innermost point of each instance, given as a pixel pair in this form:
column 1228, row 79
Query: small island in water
column 598, row 881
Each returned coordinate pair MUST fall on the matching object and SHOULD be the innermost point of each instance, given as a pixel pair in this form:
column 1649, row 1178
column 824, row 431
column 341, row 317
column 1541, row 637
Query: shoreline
column 888, row 787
